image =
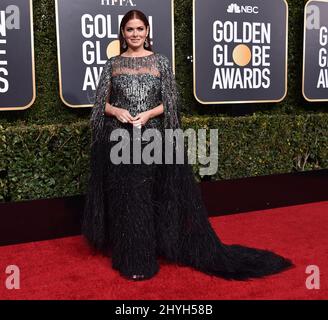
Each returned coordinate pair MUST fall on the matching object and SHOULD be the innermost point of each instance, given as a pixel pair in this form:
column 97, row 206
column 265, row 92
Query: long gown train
column 135, row 213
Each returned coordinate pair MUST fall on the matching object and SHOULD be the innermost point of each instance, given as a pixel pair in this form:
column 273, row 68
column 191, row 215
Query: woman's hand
column 141, row 118
column 120, row 114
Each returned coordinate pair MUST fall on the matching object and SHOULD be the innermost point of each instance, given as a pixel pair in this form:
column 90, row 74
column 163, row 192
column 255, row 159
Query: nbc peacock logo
column 235, row 8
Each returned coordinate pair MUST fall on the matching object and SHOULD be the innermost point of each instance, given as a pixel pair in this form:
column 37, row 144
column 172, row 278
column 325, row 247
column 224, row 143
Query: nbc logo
column 235, row 8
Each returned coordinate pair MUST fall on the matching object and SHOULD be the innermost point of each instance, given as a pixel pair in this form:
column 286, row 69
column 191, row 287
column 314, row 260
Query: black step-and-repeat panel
column 87, row 35
column 239, row 48
column 17, row 74
column 240, row 51
column 315, row 52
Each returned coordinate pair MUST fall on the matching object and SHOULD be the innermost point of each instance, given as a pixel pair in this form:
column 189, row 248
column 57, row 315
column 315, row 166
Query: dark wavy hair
column 133, row 14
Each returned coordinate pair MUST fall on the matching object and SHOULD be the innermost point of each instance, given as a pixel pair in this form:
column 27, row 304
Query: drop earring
column 146, row 43
column 124, row 46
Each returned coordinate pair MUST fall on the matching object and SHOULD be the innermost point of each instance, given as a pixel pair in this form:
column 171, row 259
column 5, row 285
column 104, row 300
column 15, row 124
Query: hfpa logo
column 120, row 3
column 235, row 8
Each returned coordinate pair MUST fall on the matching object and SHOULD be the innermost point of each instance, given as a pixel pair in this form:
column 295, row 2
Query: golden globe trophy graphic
column 240, row 51
column 242, row 55
column 113, row 49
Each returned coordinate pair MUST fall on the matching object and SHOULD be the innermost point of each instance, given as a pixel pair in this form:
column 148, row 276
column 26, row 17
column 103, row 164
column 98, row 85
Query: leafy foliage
column 44, row 150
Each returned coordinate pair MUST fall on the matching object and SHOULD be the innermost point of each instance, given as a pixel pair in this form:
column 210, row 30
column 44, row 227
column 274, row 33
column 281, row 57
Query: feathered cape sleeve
column 170, row 95
column 102, row 94
column 93, row 226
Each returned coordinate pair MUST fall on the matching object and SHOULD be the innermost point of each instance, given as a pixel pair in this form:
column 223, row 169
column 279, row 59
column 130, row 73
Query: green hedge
column 44, row 149
column 3, row 165
column 263, row 145
column 43, row 161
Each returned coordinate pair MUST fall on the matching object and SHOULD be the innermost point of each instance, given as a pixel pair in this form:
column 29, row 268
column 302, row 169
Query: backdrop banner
column 240, row 51
column 315, row 51
column 17, row 74
column 87, row 35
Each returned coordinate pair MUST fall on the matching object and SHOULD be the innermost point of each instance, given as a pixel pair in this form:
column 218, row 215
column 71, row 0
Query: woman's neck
column 139, row 53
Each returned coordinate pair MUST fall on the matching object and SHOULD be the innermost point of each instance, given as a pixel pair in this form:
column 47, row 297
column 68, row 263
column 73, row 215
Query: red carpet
column 66, row 269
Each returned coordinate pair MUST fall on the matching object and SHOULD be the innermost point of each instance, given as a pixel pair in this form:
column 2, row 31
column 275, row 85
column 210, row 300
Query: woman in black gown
column 138, row 211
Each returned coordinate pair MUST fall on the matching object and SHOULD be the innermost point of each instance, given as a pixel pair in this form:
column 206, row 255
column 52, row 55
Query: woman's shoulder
column 111, row 59
column 108, row 63
column 163, row 60
column 162, row 57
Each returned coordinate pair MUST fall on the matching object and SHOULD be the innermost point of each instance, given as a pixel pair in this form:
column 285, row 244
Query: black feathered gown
column 136, row 212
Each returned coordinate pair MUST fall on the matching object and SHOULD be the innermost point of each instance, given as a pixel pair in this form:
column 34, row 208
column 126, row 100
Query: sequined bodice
column 137, row 93
column 136, row 85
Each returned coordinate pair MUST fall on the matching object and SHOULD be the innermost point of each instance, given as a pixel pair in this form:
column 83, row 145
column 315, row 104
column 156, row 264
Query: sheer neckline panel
column 150, row 55
column 135, row 65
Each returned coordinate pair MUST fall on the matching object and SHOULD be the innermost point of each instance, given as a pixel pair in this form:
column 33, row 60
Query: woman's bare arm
column 156, row 111
column 110, row 110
